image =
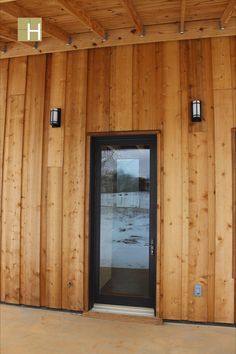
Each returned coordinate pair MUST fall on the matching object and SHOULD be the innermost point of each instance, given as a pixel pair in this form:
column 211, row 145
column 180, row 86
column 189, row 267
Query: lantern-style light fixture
column 196, row 111
column 55, row 117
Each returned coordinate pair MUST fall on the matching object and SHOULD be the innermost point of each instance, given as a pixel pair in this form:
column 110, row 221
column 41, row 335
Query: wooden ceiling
column 78, row 24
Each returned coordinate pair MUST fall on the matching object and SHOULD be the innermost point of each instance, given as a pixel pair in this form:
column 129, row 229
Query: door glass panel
column 124, row 221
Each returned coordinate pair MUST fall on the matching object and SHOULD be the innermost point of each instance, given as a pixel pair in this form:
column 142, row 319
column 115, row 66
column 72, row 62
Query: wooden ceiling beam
column 72, row 7
column 227, row 14
column 153, row 34
column 11, row 35
column 128, row 4
column 182, row 16
column 8, row 33
column 14, row 10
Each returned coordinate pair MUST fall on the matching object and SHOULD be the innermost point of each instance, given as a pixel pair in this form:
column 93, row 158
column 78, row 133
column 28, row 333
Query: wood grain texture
column 57, row 99
column 3, row 100
column 55, row 185
column 184, row 53
column 121, row 92
column 234, row 201
column 114, row 91
column 44, row 190
column 172, row 183
column 74, row 182
column 98, row 100
column 224, row 120
column 54, row 238
column 145, row 87
column 31, row 182
column 12, row 177
column 224, row 285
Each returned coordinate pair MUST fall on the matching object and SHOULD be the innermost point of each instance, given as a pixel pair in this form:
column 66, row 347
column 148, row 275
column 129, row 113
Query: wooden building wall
column 43, row 174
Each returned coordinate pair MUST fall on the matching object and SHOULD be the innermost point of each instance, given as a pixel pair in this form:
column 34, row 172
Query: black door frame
column 94, row 216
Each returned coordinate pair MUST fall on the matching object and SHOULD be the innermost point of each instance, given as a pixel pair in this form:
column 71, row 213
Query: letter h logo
column 29, row 29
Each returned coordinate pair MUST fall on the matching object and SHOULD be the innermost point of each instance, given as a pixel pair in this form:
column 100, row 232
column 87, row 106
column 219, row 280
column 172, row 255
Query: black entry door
column 123, row 220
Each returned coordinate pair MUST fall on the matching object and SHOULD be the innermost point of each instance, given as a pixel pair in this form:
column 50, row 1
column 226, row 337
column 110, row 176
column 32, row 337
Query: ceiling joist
column 8, row 33
column 227, row 14
column 11, row 35
column 16, row 11
column 72, row 7
column 182, row 16
column 128, row 4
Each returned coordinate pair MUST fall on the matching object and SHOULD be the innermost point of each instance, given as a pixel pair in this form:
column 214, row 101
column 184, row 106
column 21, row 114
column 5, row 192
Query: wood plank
column 224, row 121
column 234, row 216
column 233, row 63
column 117, row 37
column 11, row 195
column 54, row 186
column 57, row 99
column 184, row 53
column 74, row 182
column 8, row 33
column 54, row 238
column 72, row 7
column 224, row 283
column 234, row 200
column 44, row 192
column 98, row 101
column 209, row 120
column 198, row 224
column 31, row 182
column 3, row 105
column 222, row 77
column 172, row 183
column 147, row 81
column 202, row 206
column 121, row 88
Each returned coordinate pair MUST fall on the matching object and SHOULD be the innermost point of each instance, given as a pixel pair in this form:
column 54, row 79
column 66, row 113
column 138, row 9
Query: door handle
column 152, row 248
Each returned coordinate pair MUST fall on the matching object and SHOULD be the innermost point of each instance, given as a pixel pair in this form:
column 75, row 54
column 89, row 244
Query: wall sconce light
column 55, row 117
column 196, row 111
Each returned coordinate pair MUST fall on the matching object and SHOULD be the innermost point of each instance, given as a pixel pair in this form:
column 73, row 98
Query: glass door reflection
column 123, row 254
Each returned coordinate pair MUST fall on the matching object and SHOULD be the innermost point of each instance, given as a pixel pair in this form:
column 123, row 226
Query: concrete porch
column 37, row 331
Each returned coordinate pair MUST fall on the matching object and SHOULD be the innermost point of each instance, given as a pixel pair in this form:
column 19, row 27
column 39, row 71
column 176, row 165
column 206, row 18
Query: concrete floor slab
column 36, row 331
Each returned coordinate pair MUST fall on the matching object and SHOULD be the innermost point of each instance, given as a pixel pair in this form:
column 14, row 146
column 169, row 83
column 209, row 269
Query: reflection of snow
column 129, row 199
column 124, row 236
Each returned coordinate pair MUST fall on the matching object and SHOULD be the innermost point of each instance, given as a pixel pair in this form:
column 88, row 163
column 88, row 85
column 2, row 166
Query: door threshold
column 124, row 310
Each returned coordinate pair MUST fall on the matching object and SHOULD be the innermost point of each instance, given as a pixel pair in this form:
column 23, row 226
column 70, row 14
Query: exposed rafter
column 8, row 33
column 11, row 35
column 128, row 4
column 182, row 16
column 227, row 14
column 72, row 7
column 16, row 11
